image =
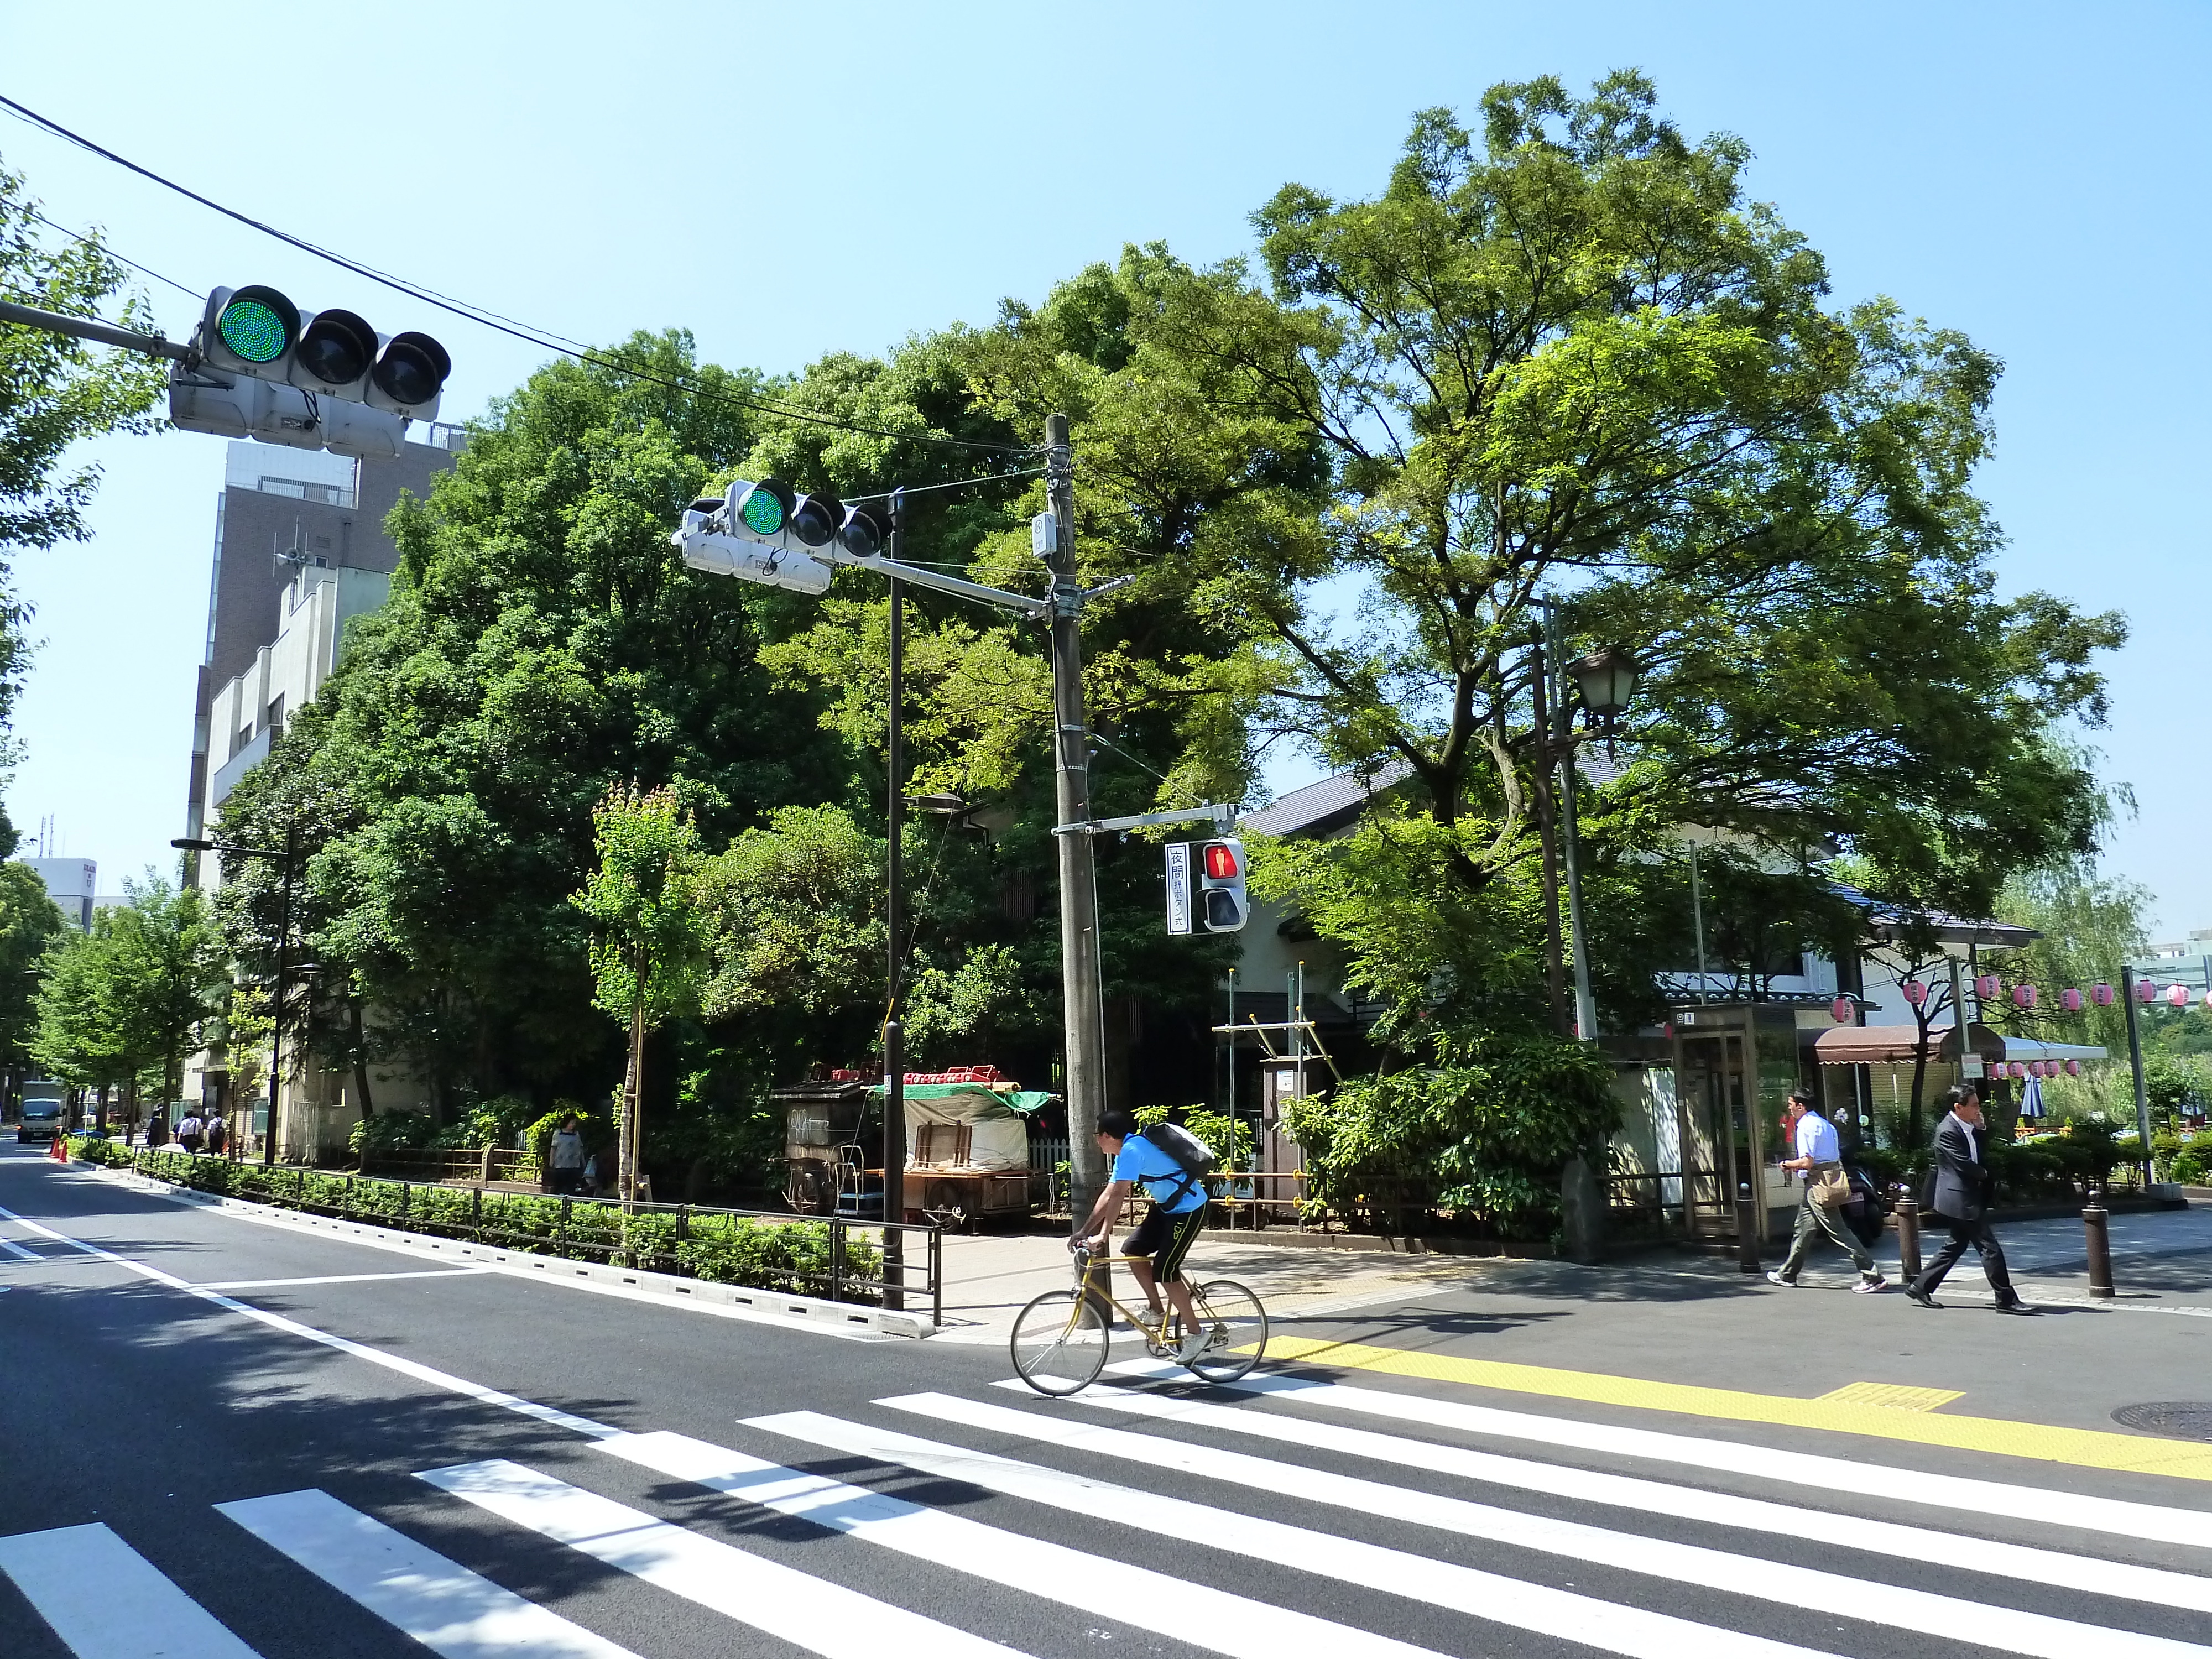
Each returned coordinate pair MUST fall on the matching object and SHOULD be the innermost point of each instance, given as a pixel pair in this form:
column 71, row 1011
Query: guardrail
column 897, row 1264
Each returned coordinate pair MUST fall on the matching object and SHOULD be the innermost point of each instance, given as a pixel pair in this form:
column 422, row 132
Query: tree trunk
column 633, row 1111
column 361, row 1058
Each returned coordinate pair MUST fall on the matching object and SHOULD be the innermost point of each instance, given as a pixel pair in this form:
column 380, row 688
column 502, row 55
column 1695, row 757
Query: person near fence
column 218, row 1134
column 189, row 1131
column 568, row 1159
column 1820, row 1160
column 1958, row 1195
column 157, row 1128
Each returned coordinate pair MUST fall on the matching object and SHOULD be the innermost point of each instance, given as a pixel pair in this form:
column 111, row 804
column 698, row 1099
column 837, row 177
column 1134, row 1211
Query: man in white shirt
column 1820, row 1158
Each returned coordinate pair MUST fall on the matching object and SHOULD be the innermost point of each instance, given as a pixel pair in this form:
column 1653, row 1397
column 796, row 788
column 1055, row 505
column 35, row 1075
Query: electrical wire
column 485, row 318
column 107, row 251
column 958, row 483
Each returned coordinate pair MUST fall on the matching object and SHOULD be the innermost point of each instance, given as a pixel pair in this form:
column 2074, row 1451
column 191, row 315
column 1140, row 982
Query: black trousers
column 1976, row 1234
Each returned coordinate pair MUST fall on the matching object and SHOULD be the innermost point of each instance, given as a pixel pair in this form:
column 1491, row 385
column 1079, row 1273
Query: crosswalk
column 1288, row 1515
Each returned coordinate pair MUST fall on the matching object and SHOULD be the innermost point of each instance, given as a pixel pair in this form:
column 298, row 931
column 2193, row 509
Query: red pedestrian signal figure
column 1221, row 887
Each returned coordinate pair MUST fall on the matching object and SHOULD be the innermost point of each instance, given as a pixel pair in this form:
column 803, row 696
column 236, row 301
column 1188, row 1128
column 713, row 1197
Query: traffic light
column 769, row 532
column 1221, row 899
column 313, row 381
column 706, row 547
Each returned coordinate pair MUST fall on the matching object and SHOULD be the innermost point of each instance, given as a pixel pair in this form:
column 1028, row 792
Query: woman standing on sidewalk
column 1820, row 1158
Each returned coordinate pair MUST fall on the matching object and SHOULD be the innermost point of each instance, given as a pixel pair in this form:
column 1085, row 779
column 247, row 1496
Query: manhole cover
column 2186, row 1419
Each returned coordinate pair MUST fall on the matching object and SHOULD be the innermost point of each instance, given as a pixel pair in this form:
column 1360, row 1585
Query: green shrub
column 2188, row 1169
column 1230, row 1138
column 391, row 1132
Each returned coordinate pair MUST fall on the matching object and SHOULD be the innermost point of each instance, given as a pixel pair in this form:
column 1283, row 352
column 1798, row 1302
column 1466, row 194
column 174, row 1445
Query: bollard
column 1747, row 1230
column 2094, row 1218
column 1908, row 1238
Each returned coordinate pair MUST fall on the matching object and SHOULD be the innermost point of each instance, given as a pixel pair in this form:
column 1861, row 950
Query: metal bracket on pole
column 922, row 576
column 84, row 328
column 1223, row 817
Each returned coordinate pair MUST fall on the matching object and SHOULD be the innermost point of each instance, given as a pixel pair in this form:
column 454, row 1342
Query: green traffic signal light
column 258, row 324
column 763, row 508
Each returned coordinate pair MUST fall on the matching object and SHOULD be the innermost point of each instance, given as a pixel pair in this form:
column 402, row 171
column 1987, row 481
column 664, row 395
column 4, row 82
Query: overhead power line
column 543, row 339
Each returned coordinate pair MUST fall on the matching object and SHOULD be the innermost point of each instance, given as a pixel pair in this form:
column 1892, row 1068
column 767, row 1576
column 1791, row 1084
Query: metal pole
column 2135, row 1059
column 1698, row 921
column 1547, row 840
column 1908, row 1238
column 1081, row 990
column 1585, row 1004
column 56, row 322
column 895, row 910
column 1232, row 1023
column 2097, row 1239
column 277, row 1008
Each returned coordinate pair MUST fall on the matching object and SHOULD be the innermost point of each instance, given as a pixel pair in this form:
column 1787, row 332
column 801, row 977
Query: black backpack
column 1197, row 1160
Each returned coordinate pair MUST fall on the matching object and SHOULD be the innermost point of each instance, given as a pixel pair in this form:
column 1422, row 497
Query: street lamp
column 1606, row 678
column 290, row 855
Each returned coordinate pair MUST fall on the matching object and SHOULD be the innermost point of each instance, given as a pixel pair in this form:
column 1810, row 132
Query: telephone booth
column 1735, row 1065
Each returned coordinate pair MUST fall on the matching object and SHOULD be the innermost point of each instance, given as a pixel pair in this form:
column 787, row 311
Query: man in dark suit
column 1962, row 1185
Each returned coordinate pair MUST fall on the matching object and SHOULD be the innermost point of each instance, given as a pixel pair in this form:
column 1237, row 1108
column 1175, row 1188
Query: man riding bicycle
column 1155, row 1251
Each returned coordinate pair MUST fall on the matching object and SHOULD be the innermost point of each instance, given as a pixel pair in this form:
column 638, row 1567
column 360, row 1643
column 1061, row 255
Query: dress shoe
column 1914, row 1293
column 2015, row 1306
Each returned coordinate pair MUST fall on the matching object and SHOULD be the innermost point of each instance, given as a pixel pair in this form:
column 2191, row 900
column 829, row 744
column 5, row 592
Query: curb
column 841, row 1318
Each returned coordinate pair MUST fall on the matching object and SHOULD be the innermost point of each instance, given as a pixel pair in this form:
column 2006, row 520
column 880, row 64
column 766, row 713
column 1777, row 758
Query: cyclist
column 1155, row 1251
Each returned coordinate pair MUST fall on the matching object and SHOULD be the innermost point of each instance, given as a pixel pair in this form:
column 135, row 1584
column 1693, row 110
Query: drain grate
column 2184, row 1420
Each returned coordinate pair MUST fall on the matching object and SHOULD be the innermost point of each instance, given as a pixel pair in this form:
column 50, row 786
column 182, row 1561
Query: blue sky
column 786, row 181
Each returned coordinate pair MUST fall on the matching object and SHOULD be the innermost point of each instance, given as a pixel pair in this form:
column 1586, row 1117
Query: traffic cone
column 59, row 1150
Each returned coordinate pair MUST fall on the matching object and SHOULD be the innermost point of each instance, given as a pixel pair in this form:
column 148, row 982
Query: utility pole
column 894, row 908
column 1585, row 1004
column 277, row 1002
column 2135, row 1063
column 1081, row 992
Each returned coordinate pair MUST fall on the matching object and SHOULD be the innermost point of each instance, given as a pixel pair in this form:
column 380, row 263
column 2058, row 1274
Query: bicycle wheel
column 1236, row 1327
column 1058, row 1343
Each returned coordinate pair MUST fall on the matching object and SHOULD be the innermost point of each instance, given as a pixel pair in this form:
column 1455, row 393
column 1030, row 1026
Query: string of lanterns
column 1988, row 988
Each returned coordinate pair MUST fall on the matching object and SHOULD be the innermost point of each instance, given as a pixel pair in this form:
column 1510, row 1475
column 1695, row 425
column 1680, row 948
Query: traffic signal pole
column 1082, row 990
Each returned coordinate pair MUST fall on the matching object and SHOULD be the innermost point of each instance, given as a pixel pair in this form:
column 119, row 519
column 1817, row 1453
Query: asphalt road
column 602, row 1482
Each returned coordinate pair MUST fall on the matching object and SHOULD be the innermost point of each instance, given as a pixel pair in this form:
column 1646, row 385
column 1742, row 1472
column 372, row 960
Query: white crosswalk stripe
column 105, row 1600
column 2156, row 1585
column 1198, row 1613
column 1442, row 1583
column 808, row 1612
column 1958, row 1494
column 454, row 1612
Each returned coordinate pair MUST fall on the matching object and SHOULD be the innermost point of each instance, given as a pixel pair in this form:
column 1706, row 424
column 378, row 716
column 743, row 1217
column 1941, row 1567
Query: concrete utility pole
column 1585, row 1004
column 894, row 1268
column 1081, row 994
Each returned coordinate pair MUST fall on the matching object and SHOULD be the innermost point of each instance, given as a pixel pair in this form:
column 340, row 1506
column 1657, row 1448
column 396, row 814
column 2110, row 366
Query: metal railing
column 892, row 1265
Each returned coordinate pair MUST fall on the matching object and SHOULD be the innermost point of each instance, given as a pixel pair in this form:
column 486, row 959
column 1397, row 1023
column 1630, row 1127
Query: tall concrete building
column 72, row 884
column 300, row 549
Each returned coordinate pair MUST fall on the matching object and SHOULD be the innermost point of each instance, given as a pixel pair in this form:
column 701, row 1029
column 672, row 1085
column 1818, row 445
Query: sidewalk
column 988, row 1278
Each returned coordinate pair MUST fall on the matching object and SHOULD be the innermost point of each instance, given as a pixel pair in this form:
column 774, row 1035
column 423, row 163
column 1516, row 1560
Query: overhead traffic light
column 1221, row 900
column 769, row 532
column 266, row 368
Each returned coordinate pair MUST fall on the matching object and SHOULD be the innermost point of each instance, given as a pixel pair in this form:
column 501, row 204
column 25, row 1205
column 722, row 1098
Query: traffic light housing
column 769, row 532
column 258, row 332
column 1223, row 901
column 707, row 545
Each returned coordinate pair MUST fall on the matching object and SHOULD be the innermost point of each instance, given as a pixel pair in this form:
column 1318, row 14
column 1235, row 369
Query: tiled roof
column 1322, row 806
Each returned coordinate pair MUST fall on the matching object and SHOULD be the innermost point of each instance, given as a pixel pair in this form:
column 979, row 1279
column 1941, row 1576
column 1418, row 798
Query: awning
column 1897, row 1045
column 1892, row 1045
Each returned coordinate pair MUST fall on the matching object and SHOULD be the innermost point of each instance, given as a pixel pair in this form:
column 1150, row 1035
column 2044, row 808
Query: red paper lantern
column 1986, row 986
column 1841, row 1008
column 2145, row 990
column 2023, row 996
column 2073, row 1068
column 2070, row 1000
column 2017, row 1069
column 2101, row 995
column 2178, row 996
column 1915, row 992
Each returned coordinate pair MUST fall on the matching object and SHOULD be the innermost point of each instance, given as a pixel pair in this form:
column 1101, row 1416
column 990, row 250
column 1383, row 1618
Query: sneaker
column 1196, row 1343
column 1869, row 1283
column 1774, row 1277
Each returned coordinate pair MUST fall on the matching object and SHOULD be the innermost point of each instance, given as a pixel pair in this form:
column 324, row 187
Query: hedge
column 718, row 1246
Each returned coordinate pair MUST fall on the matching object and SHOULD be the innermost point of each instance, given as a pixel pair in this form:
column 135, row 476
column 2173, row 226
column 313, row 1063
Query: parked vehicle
column 45, row 1111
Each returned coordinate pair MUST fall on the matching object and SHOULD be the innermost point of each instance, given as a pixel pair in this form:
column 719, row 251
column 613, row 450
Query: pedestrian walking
column 218, row 1134
column 1958, row 1197
column 567, row 1157
column 1820, row 1160
column 157, row 1128
column 189, row 1131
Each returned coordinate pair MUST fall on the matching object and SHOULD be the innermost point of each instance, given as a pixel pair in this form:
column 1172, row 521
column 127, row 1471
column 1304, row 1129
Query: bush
column 1231, row 1140
column 1480, row 1137
column 391, row 1132
column 2188, row 1169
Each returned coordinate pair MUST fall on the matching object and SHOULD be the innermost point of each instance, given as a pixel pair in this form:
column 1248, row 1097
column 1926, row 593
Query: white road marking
column 450, row 1610
column 1954, row 1494
column 107, row 1602
column 339, row 1279
column 1763, row 1577
column 421, row 1373
column 1128, row 1595
column 808, row 1612
column 2156, row 1585
column 19, row 1252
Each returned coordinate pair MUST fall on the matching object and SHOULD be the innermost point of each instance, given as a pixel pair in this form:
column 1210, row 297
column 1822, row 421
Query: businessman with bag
column 1827, row 1189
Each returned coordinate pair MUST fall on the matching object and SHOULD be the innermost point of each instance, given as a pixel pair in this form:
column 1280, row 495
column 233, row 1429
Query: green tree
column 169, row 975
column 30, row 922
column 649, row 944
column 54, row 392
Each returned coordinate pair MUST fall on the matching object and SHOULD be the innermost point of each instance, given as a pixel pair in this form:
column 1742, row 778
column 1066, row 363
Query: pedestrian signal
column 1223, row 901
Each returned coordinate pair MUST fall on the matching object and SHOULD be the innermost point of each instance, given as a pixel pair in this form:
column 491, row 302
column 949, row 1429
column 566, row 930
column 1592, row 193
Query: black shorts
column 1167, row 1239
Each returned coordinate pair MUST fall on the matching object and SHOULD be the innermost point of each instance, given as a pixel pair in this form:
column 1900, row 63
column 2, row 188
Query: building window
column 275, row 721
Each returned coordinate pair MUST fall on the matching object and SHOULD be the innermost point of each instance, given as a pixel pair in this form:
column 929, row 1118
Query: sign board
column 1178, row 887
column 1971, row 1066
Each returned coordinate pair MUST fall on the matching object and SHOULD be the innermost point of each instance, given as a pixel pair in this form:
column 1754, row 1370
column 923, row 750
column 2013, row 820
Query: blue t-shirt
column 1160, row 1175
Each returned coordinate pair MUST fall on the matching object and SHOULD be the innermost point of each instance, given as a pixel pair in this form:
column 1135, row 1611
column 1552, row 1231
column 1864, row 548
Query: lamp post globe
column 1607, row 679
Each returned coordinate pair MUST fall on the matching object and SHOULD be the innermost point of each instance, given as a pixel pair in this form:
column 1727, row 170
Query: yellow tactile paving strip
column 1897, row 1396
column 2092, row 1449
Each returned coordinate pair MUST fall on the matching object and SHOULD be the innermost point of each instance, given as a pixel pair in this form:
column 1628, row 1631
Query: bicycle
column 1061, row 1339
